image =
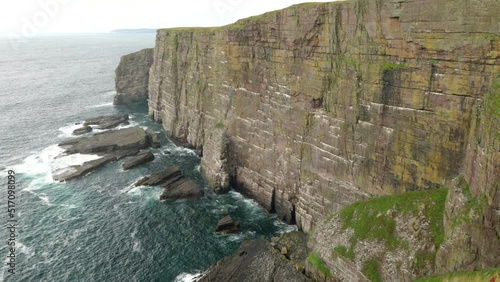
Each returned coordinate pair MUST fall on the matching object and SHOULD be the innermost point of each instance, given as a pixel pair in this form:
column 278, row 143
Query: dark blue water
column 98, row 228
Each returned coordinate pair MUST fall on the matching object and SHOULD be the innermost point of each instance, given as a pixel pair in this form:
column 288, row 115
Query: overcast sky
column 17, row 16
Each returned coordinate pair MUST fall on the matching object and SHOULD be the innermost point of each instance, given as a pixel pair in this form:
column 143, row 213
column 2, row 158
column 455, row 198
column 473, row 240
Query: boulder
column 107, row 121
column 176, row 185
column 153, row 138
column 228, row 226
column 141, row 158
column 82, row 130
column 183, row 189
column 132, row 138
column 170, row 174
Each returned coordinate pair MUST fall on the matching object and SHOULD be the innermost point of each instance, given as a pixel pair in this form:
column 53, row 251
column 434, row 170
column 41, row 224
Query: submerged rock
column 82, row 130
column 141, row 158
column 176, row 185
column 255, row 261
column 228, row 226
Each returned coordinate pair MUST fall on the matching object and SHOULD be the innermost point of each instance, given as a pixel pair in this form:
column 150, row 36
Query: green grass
column 369, row 219
column 472, row 209
column 388, row 66
column 319, row 264
column 371, row 269
column 469, row 276
column 345, row 252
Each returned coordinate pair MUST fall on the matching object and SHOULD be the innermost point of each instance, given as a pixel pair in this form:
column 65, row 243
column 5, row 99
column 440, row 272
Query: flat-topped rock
column 141, row 158
column 72, row 172
column 107, row 121
column 108, row 141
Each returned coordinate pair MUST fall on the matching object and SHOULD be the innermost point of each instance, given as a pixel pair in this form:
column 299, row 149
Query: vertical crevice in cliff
column 273, row 202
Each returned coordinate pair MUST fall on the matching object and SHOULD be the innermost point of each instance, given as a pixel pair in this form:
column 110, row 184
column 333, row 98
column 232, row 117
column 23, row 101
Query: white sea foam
column 67, row 130
column 186, row 277
column 137, row 247
column 43, row 163
column 101, row 105
column 284, row 228
column 44, row 198
column 182, row 151
column 241, row 236
column 136, row 191
column 22, row 249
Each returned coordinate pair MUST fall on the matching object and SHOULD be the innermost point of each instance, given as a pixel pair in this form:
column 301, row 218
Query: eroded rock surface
column 227, row 225
column 176, row 185
column 108, row 121
column 255, row 261
column 108, row 141
column 140, row 159
column 131, row 77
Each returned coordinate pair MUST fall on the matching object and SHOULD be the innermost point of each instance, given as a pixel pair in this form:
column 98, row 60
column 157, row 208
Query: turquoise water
column 98, row 228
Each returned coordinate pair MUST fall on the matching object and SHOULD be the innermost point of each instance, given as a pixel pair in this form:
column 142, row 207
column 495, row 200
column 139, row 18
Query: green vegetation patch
column 389, row 66
column 345, row 252
column 371, row 269
column 472, row 209
column 469, row 276
column 492, row 106
column 317, row 262
column 374, row 220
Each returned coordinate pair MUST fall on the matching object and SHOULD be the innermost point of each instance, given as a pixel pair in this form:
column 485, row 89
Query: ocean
column 98, row 228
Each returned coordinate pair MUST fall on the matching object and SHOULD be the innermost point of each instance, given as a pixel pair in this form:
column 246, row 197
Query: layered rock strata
column 320, row 105
column 132, row 76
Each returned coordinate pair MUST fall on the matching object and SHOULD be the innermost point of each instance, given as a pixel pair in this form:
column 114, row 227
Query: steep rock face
column 132, row 77
column 326, row 104
column 472, row 218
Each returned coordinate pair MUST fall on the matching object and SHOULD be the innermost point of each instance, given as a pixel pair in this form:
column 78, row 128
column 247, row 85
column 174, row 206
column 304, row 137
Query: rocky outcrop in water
column 107, row 122
column 140, row 159
column 227, row 226
column 176, row 185
column 82, row 130
column 110, row 146
column 131, row 138
column 131, row 77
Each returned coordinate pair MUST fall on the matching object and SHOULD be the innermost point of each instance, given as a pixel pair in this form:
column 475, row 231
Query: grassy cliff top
column 242, row 23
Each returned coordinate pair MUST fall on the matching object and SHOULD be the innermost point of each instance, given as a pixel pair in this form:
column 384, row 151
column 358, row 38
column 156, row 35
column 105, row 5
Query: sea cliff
column 320, row 107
